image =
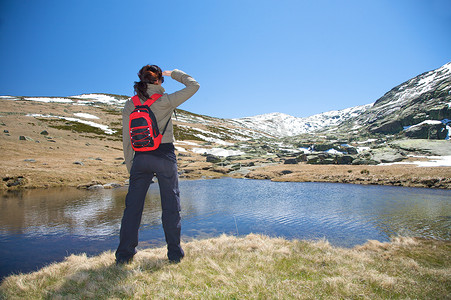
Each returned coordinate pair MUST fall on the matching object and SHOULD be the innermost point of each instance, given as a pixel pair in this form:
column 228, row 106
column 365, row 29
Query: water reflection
column 41, row 226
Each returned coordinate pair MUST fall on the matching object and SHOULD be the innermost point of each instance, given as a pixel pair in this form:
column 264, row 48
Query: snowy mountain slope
column 424, row 97
column 282, row 125
column 187, row 125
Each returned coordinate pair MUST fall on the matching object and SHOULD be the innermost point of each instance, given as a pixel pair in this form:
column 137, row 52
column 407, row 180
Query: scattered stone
column 95, row 187
column 212, row 158
column 111, row 185
column 98, row 158
column 6, row 131
column 221, row 170
column 235, row 167
column 78, row 163
column 44, row 132
column 25, row 138
column 285, row 172
column 88, row 185
column 119, row 158
column 88, row 144
column 14, row 181
column 29, row 160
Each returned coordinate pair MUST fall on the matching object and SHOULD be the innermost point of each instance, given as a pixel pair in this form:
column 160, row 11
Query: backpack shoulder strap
column 152, row 99
column 136, row 100
column 166, row 126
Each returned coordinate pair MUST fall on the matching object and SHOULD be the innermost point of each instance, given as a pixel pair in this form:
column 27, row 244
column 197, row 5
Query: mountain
column 415, row 108
column 418, row 108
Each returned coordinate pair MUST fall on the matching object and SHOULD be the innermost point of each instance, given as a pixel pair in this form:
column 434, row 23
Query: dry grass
column 254, row 266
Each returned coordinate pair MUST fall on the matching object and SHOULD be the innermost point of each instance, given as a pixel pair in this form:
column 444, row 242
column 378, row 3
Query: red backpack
column 144, row 132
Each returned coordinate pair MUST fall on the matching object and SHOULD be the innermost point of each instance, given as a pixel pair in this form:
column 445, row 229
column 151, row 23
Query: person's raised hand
column 167, row 73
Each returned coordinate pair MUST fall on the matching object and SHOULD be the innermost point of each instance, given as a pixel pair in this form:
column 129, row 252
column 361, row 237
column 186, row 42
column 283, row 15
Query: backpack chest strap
column 148, row 102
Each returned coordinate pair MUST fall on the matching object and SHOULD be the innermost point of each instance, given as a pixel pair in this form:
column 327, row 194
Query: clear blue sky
column 250, row 57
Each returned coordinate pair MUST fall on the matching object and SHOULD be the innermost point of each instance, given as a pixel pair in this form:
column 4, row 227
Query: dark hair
column 147, row 74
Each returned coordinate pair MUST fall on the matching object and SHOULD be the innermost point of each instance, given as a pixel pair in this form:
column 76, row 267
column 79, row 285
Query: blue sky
column 250, row 57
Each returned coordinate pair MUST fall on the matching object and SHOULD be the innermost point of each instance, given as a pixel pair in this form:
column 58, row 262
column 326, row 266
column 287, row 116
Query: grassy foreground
column 254, row 266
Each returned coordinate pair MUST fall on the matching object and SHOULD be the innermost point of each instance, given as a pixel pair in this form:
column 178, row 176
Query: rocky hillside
column 417, row 108
column 362, row 135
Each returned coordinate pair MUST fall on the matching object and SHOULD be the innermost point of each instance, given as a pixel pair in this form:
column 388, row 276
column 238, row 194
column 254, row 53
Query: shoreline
column 90, row 176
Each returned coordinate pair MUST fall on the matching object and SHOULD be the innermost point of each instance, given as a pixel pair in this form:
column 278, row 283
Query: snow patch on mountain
column 282, row 125
column 105, row 128
column 101, row 98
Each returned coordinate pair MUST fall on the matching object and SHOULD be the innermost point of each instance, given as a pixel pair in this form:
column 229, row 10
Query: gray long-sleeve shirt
column 162, row 108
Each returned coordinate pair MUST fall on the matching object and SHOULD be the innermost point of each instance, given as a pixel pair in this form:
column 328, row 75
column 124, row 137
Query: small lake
column 38, row 227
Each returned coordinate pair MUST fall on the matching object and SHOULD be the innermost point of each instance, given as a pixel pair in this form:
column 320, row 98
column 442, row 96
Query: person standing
column 143, row 166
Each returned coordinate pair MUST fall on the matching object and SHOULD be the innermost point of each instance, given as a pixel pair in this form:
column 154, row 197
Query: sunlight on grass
column 254, row 266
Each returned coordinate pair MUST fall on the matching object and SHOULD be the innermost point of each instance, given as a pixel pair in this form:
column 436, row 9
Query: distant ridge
column 283, row 125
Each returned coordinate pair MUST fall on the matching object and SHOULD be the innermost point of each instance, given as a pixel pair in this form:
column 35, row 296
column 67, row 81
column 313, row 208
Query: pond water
column 38, row 227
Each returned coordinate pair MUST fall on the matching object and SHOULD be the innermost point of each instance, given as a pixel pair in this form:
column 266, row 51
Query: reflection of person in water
column 161, row 162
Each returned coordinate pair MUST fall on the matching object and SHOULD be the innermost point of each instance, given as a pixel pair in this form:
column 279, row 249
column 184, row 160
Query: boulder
column 302, row 157
column 364, row 161
column 323, row 147
column 328, row 161
column 344, row 159
column 386, row 127
column 423, row 146
column 432, row 130
column 290, row 161
column 387, row 155
column 349, row 150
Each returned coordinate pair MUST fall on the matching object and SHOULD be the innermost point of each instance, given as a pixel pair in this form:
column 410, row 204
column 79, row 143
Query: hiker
column 144, row 165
